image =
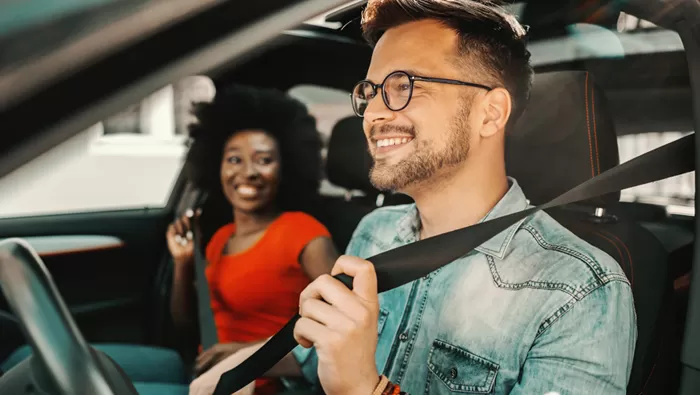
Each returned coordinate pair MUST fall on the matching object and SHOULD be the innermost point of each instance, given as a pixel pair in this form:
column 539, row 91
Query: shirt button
column 403, row 337
column 453, row 373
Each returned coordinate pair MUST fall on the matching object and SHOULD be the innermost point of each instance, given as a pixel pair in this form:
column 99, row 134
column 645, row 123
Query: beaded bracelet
column 389, row 387
column 381, row 387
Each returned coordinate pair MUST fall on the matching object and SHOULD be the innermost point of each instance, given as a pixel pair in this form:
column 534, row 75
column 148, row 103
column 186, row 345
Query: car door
column 96, row 208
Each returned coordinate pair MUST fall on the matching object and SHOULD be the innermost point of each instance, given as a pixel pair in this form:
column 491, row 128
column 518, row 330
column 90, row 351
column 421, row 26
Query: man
column 534, row 310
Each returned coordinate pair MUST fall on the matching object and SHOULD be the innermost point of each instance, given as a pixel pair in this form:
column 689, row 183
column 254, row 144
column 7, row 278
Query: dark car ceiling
column 316, row 58
column 545, row 20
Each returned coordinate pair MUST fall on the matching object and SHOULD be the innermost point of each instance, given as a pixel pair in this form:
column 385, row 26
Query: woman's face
column 250, row 170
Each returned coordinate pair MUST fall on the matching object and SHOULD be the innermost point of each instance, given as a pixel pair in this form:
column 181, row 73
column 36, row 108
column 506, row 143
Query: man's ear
column 497, row 108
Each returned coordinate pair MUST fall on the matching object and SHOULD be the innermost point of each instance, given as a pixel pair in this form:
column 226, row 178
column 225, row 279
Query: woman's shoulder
column 223, row 232
column 301, row 225
column 295, row 230
column 298, row 218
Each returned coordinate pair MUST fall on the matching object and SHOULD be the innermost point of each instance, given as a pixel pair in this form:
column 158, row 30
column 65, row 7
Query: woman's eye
column 265, row 161
column 233, row 160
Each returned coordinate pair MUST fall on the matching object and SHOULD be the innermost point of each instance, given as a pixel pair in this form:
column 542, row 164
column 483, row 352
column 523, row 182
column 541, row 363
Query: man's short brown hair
column 487, row 34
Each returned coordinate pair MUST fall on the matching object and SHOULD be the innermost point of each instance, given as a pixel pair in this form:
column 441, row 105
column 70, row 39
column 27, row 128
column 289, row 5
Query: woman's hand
column 206, row 383
column 180, row 239
column 214, row 355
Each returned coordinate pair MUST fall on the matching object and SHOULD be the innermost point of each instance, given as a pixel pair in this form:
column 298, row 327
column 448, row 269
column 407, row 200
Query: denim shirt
column 534, row 310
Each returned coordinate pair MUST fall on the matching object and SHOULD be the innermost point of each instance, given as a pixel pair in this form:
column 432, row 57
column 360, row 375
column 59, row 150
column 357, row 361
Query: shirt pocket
column 453, row 369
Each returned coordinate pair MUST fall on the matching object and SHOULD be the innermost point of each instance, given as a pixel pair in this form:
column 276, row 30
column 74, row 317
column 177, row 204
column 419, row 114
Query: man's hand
column 342, row 325
column 214, row 355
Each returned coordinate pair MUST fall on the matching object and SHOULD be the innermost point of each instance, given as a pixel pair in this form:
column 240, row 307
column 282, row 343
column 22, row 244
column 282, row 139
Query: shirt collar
column 513, row 201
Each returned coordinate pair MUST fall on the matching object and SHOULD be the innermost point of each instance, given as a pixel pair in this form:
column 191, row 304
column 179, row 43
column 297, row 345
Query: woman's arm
column 182, row 298
column 318, row 257
column 206, row 383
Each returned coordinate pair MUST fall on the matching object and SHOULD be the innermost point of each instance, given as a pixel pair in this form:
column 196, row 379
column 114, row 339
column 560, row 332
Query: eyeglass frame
column 411, row 78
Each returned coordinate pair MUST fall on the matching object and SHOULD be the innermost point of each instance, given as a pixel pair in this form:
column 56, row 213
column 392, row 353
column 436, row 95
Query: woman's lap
column 161, row 389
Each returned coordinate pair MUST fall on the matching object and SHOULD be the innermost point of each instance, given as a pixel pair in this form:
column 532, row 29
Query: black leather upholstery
column 566, row 137
column 348, row 161
column 348, row 164
column 566, row 133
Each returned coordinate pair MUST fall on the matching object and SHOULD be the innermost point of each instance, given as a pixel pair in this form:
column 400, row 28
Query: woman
column 259, row 152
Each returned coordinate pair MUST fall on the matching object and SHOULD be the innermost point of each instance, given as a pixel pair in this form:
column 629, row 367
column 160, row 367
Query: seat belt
column 413, row 261
column 207, row 328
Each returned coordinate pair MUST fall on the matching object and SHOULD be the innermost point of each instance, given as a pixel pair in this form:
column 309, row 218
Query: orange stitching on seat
column 628, row 254
column 656, row 362
column 619, row 251
column 588, row 125
column 653, row 368
column 595, row 130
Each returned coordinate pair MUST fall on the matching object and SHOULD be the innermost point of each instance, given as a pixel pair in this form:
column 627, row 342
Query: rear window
column 677, row 194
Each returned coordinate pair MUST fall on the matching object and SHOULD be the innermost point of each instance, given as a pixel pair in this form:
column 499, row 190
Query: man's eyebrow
column 414, row 72
column 409, row 71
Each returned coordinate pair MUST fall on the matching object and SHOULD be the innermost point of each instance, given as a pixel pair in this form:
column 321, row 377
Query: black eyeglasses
column 397, row 90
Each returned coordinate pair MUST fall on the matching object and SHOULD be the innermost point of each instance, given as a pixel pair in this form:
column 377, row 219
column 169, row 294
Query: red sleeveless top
column 256, row 291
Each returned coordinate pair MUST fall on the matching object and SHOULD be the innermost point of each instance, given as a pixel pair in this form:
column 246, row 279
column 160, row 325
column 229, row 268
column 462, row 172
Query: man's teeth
column 390, row 142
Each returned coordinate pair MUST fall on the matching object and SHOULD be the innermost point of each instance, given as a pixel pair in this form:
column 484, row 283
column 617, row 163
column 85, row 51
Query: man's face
column 430, row 137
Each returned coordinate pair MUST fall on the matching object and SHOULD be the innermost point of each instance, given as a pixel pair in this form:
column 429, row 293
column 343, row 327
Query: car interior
column 111, row 268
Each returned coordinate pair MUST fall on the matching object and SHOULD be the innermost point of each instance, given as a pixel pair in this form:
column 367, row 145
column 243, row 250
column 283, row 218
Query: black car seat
column 347, row 165
column 347, row 148
column 565, row 137
column 346, row 153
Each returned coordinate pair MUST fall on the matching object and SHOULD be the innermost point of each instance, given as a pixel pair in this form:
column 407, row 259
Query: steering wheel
column 62, row 361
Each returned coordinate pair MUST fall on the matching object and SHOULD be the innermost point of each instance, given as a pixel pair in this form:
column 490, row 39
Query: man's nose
column 377, row 111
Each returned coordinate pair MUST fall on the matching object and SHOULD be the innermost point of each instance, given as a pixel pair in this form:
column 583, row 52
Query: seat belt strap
column 410, row 262
column 207, row 327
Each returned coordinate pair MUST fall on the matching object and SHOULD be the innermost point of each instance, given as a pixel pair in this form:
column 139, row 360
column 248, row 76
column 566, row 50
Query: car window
column 130, row 160
column 676, row 193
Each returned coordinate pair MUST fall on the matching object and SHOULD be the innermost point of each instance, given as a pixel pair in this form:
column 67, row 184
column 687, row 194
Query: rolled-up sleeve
column 588, row 350
column 308, row 362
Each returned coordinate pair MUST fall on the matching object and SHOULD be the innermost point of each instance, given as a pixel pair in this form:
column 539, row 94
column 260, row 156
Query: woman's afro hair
column 287, row 120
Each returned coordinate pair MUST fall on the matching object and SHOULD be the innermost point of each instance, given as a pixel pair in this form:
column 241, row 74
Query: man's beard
column 425, row 161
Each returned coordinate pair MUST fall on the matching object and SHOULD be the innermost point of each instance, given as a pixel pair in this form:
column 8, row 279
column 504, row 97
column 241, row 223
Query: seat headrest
column 565, row 137
column 348, row 161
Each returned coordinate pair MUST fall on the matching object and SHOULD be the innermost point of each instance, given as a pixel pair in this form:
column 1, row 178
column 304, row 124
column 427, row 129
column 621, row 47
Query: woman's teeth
column 245, row 190
column 394, row 141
